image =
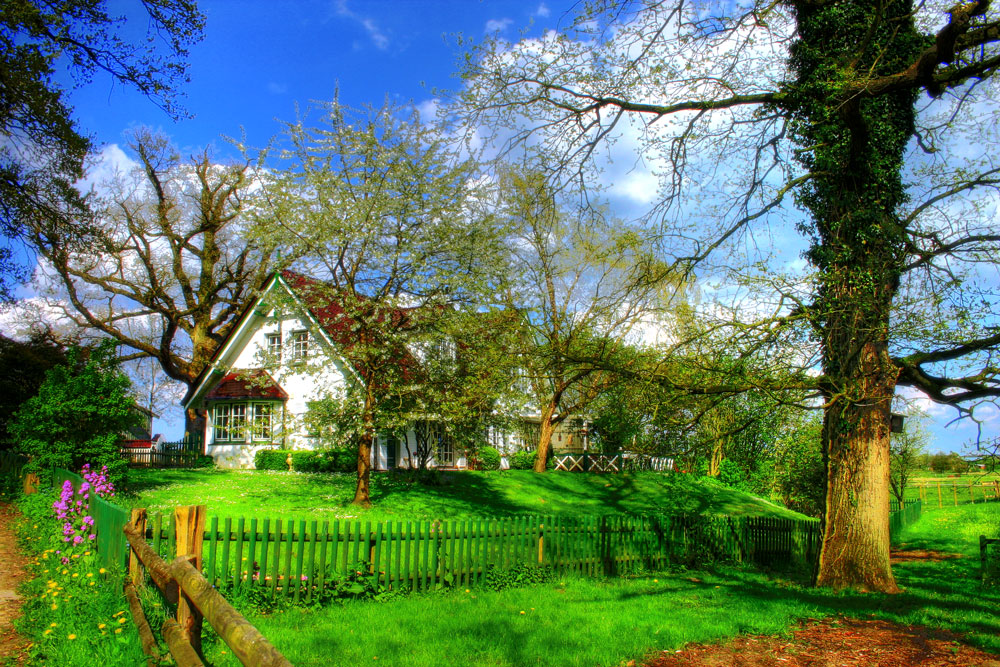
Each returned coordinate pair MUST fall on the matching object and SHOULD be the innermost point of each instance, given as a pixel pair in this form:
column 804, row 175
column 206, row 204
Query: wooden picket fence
column 989, row 560
column 11, row 471
column 109, row 520
column 901, row 517
column 303, row 559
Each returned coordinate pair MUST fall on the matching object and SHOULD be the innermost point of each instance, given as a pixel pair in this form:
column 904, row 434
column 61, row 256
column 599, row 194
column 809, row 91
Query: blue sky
column 259, row 59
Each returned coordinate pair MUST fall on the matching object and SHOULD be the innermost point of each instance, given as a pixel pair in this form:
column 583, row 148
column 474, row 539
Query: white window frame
column 274, row 345
column 301, row 342
column 235, row 421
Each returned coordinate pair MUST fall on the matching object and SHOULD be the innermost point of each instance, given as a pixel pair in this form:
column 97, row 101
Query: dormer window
column 300, row 344
column 274, row 346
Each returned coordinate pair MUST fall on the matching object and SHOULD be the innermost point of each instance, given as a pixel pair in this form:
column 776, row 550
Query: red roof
column 320, row 298
column 255, row 383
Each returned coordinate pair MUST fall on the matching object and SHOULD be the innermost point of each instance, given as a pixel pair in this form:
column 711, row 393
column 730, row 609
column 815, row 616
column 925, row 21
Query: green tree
column 169, row 262
column 43, row 148
column 905, row 450
column 877, row 120
column 390, row 222
column 583, row 285
column 78, row 415
column 23, row 366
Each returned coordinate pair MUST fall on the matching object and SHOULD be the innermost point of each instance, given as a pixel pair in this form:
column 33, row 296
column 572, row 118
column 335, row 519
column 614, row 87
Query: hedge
column 328, row 460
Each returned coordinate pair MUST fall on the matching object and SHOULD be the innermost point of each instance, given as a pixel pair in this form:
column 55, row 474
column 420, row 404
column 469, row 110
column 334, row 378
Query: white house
column 249, row 408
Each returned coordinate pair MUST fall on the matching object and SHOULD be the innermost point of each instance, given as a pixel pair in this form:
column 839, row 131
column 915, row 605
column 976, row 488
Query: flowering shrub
column 72, row 508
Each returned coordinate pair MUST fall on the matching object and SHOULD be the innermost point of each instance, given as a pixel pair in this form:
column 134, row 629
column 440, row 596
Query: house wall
column 322, row 374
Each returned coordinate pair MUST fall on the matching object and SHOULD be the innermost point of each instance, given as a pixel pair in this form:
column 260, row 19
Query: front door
column 391, row 452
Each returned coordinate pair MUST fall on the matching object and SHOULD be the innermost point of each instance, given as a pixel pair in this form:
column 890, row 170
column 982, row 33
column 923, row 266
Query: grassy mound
column 449, row 495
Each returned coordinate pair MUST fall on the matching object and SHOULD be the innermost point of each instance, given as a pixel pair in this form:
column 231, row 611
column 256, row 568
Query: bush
column 522, row 460
column 324, row 460
column 204, row 462
column 271, row 459
column 77, row 416
column 489, row 459
column 516, row 576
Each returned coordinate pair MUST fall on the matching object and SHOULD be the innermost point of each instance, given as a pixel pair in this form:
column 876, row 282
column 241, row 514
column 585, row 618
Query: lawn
column 609, row 622
column 286, row 495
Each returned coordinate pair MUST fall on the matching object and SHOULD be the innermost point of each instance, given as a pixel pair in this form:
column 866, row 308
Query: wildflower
column 76, row 574
column 118, row 613
column 522, row 613
column 90, row 574
column 102, row 571
column 101, row 626
column 53, row 625
column 47, row 632
column 118, row 631
column 54, row 606
column 122, row 620
column 71, row 637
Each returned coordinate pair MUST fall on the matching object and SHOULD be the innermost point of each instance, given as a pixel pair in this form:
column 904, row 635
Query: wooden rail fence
column 954, row 494
column 182, row 584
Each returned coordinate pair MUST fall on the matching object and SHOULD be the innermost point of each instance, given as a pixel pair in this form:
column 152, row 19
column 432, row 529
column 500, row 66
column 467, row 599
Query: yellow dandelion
column 76, row 574
column 51, row 584
column 101, row 626
column 122, row 619
column 86, row 553
column 71, row 637
column 118, row 613
column 53, row 625
column 118, row 631
column 55, row 606
column 102, row 570
column 91, row 583
column 90, row 574
column 47, row 632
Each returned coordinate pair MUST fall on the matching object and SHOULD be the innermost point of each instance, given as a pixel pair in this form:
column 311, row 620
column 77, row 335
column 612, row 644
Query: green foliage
column 517, row 576
column 22, row 370
column 731, row 474
column 72, row 614
column 489, row 458
column 78, row 415
column 799, row 472
column 324, row 460
column 48, row 49
column 204, row 462
column 522, row 460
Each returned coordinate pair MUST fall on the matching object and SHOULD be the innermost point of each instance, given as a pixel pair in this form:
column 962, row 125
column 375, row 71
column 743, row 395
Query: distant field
column 286, row 495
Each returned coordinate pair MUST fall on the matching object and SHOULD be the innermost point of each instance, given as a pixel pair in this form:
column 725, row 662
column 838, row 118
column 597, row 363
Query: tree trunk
column 855, row 550
column 362, row 494
column 545, row 429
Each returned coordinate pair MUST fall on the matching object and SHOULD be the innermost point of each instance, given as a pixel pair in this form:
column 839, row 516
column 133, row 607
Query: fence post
column 982, row 558
column 541, row 543
column 189, row 527
column 138, row 523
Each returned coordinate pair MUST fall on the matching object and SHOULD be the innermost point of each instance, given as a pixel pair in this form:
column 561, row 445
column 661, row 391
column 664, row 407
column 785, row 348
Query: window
column 262, row 421
column 233, row 421
column 230, row 422
column 274, row 346
column 300, row 344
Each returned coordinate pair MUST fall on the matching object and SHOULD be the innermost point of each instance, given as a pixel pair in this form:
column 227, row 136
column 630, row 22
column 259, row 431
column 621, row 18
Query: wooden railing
column 182, row 584
column 940, row 494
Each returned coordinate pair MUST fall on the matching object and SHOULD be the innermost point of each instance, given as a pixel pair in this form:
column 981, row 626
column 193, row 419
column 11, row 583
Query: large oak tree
column 875, row 119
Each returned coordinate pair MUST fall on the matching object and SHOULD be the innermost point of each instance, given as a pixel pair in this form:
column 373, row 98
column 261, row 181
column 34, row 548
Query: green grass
column 285, row 495
column 607, row 622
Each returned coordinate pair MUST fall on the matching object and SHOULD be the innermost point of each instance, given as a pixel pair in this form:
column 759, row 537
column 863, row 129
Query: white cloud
column 497, row 25
column 542, row 11
column 375, row 33
column 277, row 88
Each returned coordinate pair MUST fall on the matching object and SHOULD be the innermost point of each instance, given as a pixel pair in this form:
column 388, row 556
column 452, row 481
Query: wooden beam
column 246, row 642
column 189, row 524
column 181, row 651
column 158, row 569
column 146, row 638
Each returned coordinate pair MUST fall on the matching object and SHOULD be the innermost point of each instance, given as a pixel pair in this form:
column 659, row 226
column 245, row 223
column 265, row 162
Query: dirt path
column 11, row 573
column 838, row 642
